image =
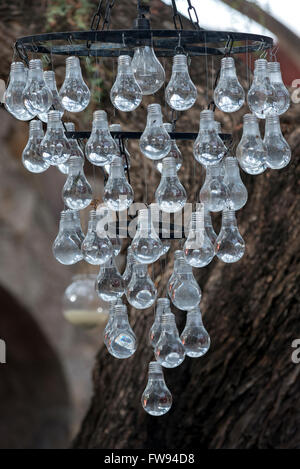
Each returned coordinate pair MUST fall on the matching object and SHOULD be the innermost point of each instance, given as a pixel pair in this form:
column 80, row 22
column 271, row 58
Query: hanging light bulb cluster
column 32, row 95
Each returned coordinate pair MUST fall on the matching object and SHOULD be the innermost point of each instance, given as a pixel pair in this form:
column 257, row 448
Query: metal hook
column 179, row 49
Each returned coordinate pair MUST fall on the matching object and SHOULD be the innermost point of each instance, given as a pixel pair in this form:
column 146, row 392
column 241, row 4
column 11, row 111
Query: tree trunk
column 244, row 392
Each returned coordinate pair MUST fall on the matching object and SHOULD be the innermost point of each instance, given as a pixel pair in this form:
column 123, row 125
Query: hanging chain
column 97, row 17
column 193, row 13
column 109, row 7
column 176, row 17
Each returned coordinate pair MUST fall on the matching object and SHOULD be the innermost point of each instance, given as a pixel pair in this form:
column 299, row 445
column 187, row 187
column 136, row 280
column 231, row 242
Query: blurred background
column 244, row 393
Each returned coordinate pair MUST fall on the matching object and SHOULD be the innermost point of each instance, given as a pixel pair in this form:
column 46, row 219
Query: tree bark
column 244, row 392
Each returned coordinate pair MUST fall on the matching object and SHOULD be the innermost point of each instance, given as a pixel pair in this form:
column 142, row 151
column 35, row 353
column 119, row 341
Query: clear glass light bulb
column 194, row 337
column 81, row 305
column 170, row 195
column 198, row 249
column 13, row 97
column 77, row 192
column 169, row 350
column 162, row 306
column 130, row 261
column 32, row 157
column 282, row 95
column 156, row 399
column 74, row 93
column 101, row 148
column 185, row 293
column 209, row 148
column 214, row 190
column 173, row 153
column 229, row 95
column 237, row 194
column 251, row 151
column 146, row 245
column 49, row 77
column 141, row 291
column 162, row 231
column 126, row 155
column 209, row 226
column 75, row 149
column 123, row 342
column 174, row 276
column 96, row 247
column 110, row 284
column 155, row 142
column 55, row 147
column 77, row 224
column 261, row 96
column 278, row 150
column 36, row 95
column 118, row 193
column 230, row 246
column 147, row 69
column 125, row 95
column 67, row 245
column 181, row 93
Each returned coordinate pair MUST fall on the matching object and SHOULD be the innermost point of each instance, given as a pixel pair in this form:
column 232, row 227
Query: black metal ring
column 109, row 43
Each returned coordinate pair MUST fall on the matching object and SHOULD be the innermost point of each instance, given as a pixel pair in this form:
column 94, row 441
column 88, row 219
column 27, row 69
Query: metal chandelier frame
column 105, row 42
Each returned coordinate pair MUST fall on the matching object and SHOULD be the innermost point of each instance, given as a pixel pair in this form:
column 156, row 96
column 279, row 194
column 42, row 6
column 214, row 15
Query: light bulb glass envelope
column 194, row 336
column 156, row 398
column 237, row 194
column 67, row 245
column 214, row 192
column 77, row 192
column 229, row 95
column 209, row 148
column 81, row 305
column 230, row 246
column 96, row 247
column 170, row 195
column 146, row 245
column 169, row 350
column 277, row 149
column 55, row 147
column 37, row 95
column 141, row 292
column 32, row 157
column 147, row 69
column 262, row 96
column 181, row 93
column 198, row 249
column 101, row 148
column 110, row 284
column 125, row 94
column 123, row 342
column 13, row 96
column 155, row 142
column 251, row 151
column 118, row 193
column 74, row 93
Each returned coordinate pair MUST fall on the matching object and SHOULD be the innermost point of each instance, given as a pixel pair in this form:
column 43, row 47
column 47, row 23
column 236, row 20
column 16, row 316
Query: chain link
column 97, row 17
column 109, row 7
column 176, row 17
column 192, row 12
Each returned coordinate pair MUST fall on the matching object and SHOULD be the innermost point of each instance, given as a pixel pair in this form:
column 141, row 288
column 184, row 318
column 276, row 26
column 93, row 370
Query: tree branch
column 289, row 41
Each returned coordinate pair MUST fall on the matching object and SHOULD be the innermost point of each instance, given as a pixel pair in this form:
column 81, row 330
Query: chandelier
column 32, row 96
